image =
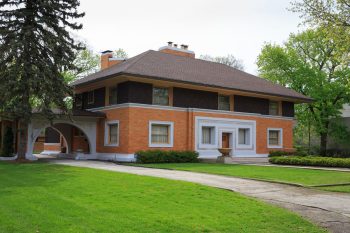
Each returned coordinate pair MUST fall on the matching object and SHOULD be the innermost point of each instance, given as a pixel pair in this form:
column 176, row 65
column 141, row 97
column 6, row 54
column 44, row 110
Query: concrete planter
column 8, row 158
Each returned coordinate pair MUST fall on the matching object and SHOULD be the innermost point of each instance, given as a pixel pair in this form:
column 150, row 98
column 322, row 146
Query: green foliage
column 159, row 156
column 338, row 153
column 311, row 161
column 120, row 53
column 7, row 143
column 332, row 15
column 36, row 49
column 86, row 63
column 277, row 153
column 229, row 60
column 309, row 64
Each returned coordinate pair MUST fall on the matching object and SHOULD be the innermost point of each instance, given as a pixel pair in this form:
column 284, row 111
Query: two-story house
column 170, row 100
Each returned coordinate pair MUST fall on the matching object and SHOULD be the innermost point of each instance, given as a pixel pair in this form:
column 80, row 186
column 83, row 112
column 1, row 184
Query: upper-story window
column 91, row 97
column 224, row 102
column 160, row 96
column 78, row 101
column 273, row 108
column 113, row 95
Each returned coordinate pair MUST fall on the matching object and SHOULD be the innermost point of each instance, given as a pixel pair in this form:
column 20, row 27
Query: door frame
column 232, row 134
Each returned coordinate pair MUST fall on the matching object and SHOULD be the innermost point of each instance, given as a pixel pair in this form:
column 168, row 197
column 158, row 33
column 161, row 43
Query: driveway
column 327, row 209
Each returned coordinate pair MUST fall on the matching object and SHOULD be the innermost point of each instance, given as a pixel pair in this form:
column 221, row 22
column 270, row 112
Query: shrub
column 311, row 161
column 7, row 146
column 159, row 156
column 276, row 153
column 336, row 153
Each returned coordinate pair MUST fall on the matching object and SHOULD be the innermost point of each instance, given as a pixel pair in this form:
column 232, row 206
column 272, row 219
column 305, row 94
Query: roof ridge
column 141, row 55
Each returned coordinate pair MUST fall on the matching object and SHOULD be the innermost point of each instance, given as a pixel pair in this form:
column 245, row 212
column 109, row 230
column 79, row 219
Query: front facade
column 170, row 100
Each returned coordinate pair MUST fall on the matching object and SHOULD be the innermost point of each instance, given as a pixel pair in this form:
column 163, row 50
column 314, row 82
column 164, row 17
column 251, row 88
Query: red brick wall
column 134, row 126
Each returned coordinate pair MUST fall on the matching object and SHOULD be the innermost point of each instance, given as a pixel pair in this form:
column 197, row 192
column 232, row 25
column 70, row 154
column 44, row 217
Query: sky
column 214, row 27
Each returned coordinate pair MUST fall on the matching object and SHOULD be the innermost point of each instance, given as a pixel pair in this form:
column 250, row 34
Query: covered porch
column 77, row 135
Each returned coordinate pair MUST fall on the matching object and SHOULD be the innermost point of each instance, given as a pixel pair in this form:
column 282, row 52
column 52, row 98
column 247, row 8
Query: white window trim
column 268, row 138
column 106, row 142
column 244, row 146
column 208, row 146
column 93, row 97
column 171, row 136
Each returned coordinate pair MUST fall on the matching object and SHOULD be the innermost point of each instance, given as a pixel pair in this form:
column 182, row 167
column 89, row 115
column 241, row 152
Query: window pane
column 160, row 134
column 244, row 136
column 224, row 102
column 160, row 96
column 207, row 135
column 78, row 101
column 113, row 95
column 273, row 108
column 274, row 137
column 113, row 133
column 91, row 97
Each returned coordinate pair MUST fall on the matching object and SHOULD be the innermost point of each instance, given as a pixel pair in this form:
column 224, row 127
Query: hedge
column 159, row 156
column 311, row 161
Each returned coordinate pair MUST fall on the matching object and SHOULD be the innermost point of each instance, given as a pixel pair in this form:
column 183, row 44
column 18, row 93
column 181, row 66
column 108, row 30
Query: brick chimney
column 108, row 60
column 173, row 49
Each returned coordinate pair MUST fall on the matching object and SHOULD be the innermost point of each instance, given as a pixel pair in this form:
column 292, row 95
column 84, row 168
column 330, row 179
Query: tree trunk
column 323, row 144
column 23, row 137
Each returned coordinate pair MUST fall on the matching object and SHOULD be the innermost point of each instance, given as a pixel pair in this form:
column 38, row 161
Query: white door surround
column 222, row 125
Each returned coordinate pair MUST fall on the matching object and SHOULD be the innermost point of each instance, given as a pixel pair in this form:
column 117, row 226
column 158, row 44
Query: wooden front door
column 225, row 140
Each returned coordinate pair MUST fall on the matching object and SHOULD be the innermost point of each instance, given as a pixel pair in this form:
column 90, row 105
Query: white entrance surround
column 224, row 125
column 87, row 125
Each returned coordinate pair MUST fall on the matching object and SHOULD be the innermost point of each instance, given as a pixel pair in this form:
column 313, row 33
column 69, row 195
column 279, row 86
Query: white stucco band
column 87, row 125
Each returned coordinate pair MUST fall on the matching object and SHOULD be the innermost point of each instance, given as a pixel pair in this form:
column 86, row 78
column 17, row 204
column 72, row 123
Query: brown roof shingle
column 158, row 65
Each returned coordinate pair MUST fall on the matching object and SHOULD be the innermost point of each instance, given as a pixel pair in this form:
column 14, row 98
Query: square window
column 224, row 102
column 208, row 135
column 275, row 138
column 91, row 97
column 274, row 108
column 161, row 96
column 113, row 95
column 161, row 134
column 244, row 136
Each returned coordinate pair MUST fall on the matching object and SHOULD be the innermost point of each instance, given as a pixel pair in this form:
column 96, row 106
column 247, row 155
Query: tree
column 324, row 12
column 36, row 48
column 229, row 60
column 86, row 63
column 308, row 63
column 120, row 53
column 333, row 16
column 7, row 147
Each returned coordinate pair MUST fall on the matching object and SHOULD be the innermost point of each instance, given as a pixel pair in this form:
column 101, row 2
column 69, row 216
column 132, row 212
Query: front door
column 225, row 140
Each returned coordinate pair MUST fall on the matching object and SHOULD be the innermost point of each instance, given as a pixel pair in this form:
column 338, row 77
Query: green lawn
column 306, row 177
column 40, row 197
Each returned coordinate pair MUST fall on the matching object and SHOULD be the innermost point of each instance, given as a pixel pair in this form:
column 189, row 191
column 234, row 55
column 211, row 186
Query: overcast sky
column 215, row 27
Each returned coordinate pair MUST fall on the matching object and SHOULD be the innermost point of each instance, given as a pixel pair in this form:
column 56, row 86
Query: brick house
column 170, row 100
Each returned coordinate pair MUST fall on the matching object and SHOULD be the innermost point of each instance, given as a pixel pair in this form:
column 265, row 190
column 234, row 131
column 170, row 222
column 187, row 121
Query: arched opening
column 60, row 140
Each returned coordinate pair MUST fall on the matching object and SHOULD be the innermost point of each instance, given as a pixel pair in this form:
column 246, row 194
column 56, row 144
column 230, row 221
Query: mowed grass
column 306, row 177
column 42, row 197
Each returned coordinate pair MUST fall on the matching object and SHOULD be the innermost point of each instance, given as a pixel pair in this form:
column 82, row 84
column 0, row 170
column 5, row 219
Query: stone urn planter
column 225, row 156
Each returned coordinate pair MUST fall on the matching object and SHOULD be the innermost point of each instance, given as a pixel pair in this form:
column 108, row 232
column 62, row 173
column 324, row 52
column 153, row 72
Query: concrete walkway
column 327, row 209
